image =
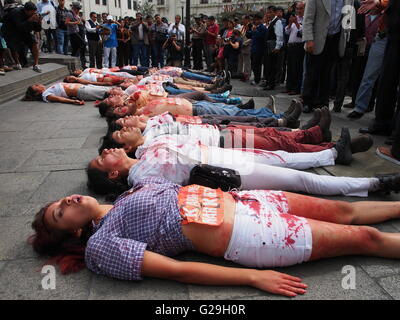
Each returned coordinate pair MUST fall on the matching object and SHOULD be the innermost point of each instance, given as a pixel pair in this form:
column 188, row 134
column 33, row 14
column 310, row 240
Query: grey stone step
column 15, row 83
column 72, row 63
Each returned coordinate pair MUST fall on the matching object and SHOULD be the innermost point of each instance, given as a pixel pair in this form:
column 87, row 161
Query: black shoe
column 307, row 109
column 389, row 182
column 355, row 115
column 313, row 121
column 222, row 89
column 248, row 105
column 291, row 108
column 292, row 121
column 361, row 144
column 349, row 105
column 325, row 124
column 343, row 148
column 374, row 131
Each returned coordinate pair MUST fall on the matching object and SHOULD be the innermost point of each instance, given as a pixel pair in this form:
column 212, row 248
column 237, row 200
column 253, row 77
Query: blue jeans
column 205, row 107
column 215, row 96
column 195, row 76
column 62, row 41
column 140, row 53
column 371, row 74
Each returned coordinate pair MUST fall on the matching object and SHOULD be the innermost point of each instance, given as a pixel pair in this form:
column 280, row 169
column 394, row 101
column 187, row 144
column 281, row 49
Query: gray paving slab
column 15, row 232
column 19, row 209
column 10, row 161
column 22, row 280
column 58, row 160
column 391, row 285
column 19, row 187
column 103, row 288
column 73, row 182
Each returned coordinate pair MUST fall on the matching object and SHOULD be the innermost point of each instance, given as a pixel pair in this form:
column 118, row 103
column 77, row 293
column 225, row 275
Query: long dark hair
column 32, row 95
column 100, row 183
column 65, row 248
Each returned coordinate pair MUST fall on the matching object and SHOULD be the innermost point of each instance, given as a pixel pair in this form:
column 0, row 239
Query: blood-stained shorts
column 264, row 234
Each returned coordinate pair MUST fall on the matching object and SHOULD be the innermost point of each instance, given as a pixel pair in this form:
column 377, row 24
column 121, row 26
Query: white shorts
column 264, row 234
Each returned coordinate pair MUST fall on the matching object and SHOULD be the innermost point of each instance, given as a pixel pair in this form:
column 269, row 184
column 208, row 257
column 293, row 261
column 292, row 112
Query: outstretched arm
column 54, row 98
column 159, row 266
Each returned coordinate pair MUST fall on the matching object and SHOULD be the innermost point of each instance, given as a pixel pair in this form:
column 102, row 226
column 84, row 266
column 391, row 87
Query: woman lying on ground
column 142, row 94
column 135, row 237
column 73, row 93
column 174, row 156
column 180, row 106
column 145, row 123
column 125, row 73
column 95, row 79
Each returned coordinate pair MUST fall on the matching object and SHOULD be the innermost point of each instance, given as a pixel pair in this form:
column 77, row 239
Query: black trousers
column 197, row 45
column 343, row 67
column 256, row 65
column 95, row 54
column 51, row 39
column 388, row 85
column 295, row 58
column 318, row 70
column 78, row 48
column 123, row 53
column 270, row 68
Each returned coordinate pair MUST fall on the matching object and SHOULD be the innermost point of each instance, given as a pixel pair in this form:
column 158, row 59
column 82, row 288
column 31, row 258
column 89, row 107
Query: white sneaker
column 18, row 67
column 37, row 68
column 2, row 72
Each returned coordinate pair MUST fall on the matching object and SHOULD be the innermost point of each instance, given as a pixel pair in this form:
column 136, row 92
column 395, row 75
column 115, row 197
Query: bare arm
column 54, row 98
column 158, row 266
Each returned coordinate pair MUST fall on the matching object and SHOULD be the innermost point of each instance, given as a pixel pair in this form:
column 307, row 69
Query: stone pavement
column 44, row 151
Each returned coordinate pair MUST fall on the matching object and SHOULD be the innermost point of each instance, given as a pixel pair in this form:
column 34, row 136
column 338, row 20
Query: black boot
column 313, row 121
column 343, row 148
column 292, row 119
column 362, row 143
column 324, row 124
column 389, row 182
column 222, row 89
column 248, row 105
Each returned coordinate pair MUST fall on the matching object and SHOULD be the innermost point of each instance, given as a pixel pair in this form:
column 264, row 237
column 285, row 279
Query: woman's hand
column 79, row 102
column 278, row 283
column 367, row 5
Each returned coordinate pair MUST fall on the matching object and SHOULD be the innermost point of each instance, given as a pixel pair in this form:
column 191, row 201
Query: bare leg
column 342, row 212
column 332, row 240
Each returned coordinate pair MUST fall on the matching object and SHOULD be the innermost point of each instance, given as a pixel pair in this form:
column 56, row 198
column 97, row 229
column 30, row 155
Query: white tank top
column 55, row 90
column 89, row 76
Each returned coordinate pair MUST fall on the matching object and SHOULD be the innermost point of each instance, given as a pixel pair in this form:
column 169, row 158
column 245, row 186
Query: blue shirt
column 257, row 38
column 335, row 22
column 144, row 218
column 111, row 42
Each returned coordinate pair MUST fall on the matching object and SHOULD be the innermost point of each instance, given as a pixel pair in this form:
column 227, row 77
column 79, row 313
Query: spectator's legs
column 106, row 57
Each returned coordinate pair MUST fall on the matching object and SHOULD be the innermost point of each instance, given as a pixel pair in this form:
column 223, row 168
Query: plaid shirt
column 143, row 218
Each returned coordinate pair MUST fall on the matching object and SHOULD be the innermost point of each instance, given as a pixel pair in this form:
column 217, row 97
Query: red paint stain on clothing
column 264, row 153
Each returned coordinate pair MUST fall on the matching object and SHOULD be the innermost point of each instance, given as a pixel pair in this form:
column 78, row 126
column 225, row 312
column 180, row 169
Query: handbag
column 215, row 177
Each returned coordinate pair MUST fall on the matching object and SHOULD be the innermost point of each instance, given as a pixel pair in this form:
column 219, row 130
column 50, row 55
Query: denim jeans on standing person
column 62, row 41
column 371, row 74
column 205, row 107
column 197, row 77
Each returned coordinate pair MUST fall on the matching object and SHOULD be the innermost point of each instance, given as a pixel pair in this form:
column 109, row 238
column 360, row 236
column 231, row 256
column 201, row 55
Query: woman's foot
column 248, row 105
column 271, row 104
column 389, row 182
